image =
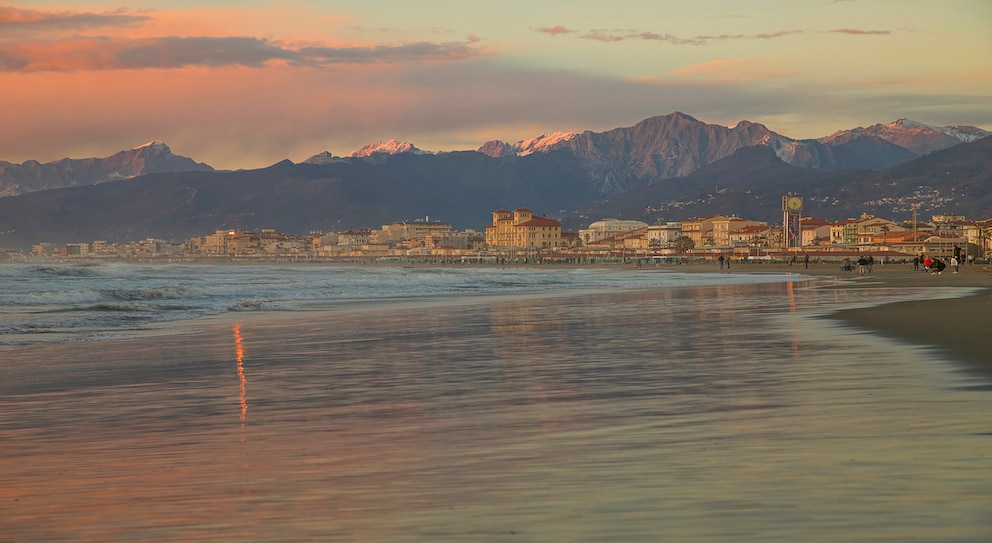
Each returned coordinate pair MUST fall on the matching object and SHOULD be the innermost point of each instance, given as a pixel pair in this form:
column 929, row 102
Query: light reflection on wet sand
column 704, row 414
column 239, row 357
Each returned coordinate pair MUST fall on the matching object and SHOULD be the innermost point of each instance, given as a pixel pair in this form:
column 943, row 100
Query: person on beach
column 862, row 265
column 871, row 263
column 806, row 260
column 721, row 261
column 927, row 262
column 916, row 263
column 728, row 262
column 956, row 263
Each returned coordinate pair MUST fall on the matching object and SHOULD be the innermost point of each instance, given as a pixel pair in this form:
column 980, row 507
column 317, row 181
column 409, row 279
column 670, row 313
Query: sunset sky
column 244, row 84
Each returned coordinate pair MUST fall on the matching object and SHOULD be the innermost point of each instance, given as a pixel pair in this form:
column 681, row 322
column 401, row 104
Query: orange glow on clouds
column 244, row 86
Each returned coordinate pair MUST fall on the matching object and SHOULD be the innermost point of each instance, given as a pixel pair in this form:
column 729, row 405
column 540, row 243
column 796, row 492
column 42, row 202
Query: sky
column 245, row 84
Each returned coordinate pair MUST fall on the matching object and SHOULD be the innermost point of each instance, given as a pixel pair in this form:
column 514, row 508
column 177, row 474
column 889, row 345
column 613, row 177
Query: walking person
column 862, row 265
column 721, row 261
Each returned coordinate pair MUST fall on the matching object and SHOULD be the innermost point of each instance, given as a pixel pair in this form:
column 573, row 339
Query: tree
column 684, row 244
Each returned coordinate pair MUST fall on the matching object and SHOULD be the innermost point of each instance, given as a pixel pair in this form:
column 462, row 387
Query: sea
column 539, row 403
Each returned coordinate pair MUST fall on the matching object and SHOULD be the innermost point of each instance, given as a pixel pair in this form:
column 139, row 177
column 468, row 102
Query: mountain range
column 669, row 167
column 152, row 157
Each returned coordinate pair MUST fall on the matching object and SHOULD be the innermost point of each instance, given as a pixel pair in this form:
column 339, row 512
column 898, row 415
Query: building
column 844, row 232
column 699, row 230
column 608, row 228
column 664, row 235
column 355, row 237
column 398, row 232
column 752, row 236
column 521, row 230
column 813, row 232
column 714, row 230
column 723, row 226
column 870, row 227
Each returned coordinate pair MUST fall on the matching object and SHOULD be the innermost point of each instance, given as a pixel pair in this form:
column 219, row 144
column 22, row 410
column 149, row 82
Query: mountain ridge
column 464, row 187
column 152, row 157
column 621, row 159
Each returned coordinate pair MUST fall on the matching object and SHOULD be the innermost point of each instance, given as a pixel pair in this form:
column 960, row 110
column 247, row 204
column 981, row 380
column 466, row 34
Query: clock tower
column 792, row 209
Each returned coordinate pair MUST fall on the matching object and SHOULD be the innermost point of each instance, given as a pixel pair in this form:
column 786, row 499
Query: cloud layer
column 248, row 85
column 105, row 53
column 61, row 47
column 604, row 35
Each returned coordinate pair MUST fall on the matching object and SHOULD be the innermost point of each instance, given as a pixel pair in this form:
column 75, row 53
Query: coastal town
column 521, row 236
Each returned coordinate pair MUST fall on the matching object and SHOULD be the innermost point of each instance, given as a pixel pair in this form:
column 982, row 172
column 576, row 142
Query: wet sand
column 956, row 326
column 582, row 418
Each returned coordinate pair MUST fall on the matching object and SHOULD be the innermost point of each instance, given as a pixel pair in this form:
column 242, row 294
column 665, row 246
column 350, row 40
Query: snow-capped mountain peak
column 155, row 146
column 387, row 147
column 542, row 143
column 918, row 137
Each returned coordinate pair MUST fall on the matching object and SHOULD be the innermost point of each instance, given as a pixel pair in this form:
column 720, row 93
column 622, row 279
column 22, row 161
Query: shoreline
column 954, row 326
column 951, row 325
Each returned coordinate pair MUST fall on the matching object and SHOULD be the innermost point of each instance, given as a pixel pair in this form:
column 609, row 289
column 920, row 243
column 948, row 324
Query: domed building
column 608, row 228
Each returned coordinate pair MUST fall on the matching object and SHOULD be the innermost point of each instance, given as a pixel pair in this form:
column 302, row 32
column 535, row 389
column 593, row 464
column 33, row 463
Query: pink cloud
column 768, row 36
column 554, row 30
column 174, row 52
column 616, row 35
column 13, row 18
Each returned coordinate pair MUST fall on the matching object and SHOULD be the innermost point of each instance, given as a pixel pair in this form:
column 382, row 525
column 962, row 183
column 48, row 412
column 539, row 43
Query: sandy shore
column 957, row 326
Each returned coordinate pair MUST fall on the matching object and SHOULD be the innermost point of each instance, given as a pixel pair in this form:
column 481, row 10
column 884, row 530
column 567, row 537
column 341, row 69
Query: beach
column 956, row 326
column 677, row 403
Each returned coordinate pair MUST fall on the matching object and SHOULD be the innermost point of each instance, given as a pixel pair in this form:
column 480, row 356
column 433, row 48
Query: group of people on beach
column 936, row 266
column 866, row 264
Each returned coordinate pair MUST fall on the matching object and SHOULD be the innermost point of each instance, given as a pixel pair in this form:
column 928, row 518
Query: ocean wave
column 132, row 307
column 82, row 270
column 138, row 294
column 252, row 305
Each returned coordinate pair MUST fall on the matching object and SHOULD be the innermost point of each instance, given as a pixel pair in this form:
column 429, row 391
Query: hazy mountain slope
column 748, row 183
column 954, row 180
column 153, row 157
column 461, row 188
column 677, row 145
column 751, row 182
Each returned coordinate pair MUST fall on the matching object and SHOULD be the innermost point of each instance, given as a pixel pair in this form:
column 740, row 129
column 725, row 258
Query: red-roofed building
column 752, row 236
column 521, row 229
column 814, row 232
